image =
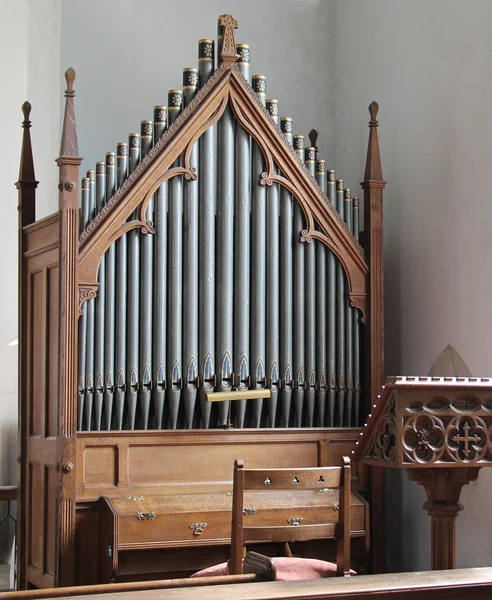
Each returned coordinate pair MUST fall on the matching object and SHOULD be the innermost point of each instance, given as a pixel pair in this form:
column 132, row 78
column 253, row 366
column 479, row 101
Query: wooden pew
column 458, row 584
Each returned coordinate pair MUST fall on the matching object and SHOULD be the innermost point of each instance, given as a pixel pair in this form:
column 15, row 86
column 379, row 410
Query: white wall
column 127, row 55
column 429, row 65
column 29, row 70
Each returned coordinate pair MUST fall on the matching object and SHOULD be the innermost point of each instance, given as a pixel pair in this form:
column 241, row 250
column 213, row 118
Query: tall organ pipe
column 120, row 296
column 349, row 325
column 332, row 314
column 321, row 310
column 286, row 289
column 258, row 263
column 273, row 287
column 225, row 256
column 206, row 275
column 109, row 323
column 356, row 319
column 132, row 348
column 145, row 321
column 160, row 281
column 341, row 305
column 190, row 274
column 242, row 181
column 91, row 310
column 84, row 186
column 175, row 276
column 310, row 287
column 100, row 309
column 299, row 302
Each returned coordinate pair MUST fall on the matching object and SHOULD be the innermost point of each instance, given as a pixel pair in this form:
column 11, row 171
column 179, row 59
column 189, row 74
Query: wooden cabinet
column 180, row 520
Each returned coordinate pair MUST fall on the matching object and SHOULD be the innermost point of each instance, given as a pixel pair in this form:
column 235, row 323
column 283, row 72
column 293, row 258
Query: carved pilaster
column 443, row 489
column 68, row 164
column 26, row 186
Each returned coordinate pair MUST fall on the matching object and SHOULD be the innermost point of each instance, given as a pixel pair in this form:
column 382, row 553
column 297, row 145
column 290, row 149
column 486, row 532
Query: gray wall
column 29, row 70
column 429, row 65
column 127, row 55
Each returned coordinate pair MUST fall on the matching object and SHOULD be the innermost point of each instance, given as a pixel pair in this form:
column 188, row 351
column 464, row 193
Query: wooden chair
column 293, row 529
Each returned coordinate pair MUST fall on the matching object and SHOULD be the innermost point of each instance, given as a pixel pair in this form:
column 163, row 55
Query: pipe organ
column 221, row 293
column 213, row 253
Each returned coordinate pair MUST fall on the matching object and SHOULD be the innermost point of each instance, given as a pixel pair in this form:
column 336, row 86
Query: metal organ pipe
column 206, row 214
column 242, row 210
column 321, row 310
column 299, row 302
column 349, row 321
column 146, row 268
column 160, row 281
column 84, row 186
column 100, row 309
column 286, row 289
column 356, row 325
column 109, row 323
column 175, row 275
column 190, row 269
column 120, row 298
column 90, row 310
column 272, row 286
column 310, row 326
column 340, row 307
column 258, row 262
column 332, row 314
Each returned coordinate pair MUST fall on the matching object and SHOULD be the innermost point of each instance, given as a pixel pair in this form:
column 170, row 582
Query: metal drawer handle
column 142, row 516
column 249, row 511
column 336, row 507
column 197, row 528
column 295, row 521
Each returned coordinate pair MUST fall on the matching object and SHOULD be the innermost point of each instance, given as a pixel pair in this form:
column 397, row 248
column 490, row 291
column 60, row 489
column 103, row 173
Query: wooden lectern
column 440, row 430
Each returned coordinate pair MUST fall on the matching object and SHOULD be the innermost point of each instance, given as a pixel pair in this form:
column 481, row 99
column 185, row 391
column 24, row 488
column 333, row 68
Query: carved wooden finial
column 69, row 78
column 373, row 170
column 227, row 49
column 27, row 183
column 313, row 138
column 373, row 111
column 26, row 111
column 69, row 144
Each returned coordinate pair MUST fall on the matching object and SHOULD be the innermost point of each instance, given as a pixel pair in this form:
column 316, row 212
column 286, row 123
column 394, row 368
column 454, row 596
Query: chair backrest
column 316, row 524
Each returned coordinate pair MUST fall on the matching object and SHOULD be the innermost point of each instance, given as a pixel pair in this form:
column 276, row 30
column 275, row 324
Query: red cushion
column 288, row 569
column 221, row 569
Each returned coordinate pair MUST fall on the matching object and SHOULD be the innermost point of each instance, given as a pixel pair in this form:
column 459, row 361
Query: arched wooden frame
column 226, row 86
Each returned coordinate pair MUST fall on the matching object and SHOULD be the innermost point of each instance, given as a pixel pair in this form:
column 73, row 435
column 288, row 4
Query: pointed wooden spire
column 27, row 183
column 373, row 160
column 69, row 145
column 227, row 46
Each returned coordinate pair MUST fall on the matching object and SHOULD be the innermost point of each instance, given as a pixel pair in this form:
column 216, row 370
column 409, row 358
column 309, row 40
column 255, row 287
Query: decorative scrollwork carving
column 306, row 236
column 265, row 179
column 383, row 443
column 148, row 227
column 86, row 293
column 467, row 438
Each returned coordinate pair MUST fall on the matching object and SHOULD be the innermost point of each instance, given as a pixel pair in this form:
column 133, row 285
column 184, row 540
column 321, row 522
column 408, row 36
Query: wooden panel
column 153, row 462
column 182, row 464
column 41, row 236
column 50, row 520
column 100, row 466
column 35, row 512
column 37, row 345
column 52, row 304
column 86, row 545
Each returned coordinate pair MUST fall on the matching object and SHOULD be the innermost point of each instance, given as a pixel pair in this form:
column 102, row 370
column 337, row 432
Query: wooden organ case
column 212, row 253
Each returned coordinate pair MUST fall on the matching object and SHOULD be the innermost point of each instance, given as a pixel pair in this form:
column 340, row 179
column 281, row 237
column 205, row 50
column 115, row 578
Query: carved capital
column 86, row 292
